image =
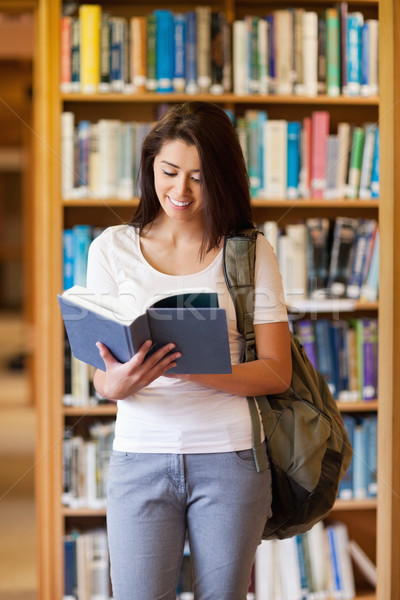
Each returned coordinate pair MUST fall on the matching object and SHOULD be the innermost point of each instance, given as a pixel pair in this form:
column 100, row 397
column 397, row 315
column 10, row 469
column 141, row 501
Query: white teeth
column 177, row 203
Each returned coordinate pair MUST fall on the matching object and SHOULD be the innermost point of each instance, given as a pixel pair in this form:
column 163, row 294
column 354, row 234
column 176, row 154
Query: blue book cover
column 117, row 53
column 364, row 232
column 339, row 343
column 359, row 460
column 333, row 553
column 179, row 79
column 192, row 321
column 369, row 358
column 293, row 158
column 346, row 484
column 68, row 258
column 271, row 52
column 365, row 59
column 371, row 439
column 325, row 354
column 191, row 52
column 305, row 332
column 355, row 22
column 70, row 570
column 375, row 168
column 82, row 240
column 164, row 50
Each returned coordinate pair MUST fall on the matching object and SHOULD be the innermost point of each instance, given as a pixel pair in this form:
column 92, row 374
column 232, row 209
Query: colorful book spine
column 118, row 28
column 365, row 230
column 90, row 25
column 217, row 52
column 240, row 62
column 341, row 254
column 367, row 161
column 305, row 332
column 317, row 256
column 191, row 52
column 293, row 159
column 65, row 53
column 179, row 78
column 355, row 22
column 164, row 50
column 319, row 132
column 105, row 62
column 151, row 77
column 332, row 52
column 356, row 155
column 370, row 287
column 310, row 53
column 203, row 21
column 138, row 50
column 375, row 168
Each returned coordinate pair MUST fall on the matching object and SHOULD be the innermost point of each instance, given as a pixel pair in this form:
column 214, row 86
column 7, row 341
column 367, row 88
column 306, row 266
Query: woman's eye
column 169, row 174
column 195, row 180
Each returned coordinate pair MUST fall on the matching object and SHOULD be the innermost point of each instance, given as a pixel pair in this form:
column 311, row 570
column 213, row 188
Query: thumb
column 105, row 354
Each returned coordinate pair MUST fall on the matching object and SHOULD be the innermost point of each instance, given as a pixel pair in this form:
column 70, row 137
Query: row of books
column 285, row 159
column 100, row 160
column 315, row 565
column 86, row 565
column 345, row 352
column 360, row 480
column 287, row 51
column 322, row 259
column 85, row 466
column 78, row 376
column 293, row 159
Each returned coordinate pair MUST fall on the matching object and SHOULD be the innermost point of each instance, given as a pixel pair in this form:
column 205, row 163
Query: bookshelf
column 53, row 213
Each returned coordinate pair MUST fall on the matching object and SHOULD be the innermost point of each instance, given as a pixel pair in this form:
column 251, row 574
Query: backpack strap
column 239, row 256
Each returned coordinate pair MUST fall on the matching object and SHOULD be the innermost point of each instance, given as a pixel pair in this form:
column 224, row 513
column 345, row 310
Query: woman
column 182, row 462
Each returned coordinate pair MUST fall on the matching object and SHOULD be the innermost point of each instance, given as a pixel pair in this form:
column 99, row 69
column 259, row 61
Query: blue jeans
column 153, row 499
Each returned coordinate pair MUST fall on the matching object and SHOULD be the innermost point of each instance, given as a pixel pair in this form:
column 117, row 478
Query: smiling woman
column 182, row 462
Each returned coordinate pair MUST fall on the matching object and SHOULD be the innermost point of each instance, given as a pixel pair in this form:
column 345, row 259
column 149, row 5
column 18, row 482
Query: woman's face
column 177, row 181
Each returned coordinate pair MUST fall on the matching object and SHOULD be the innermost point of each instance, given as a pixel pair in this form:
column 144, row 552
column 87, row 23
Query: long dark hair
column 223, row 174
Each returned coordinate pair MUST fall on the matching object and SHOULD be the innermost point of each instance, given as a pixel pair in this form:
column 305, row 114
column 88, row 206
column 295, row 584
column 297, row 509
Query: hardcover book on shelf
column 317, row 256
column 319, row 132
column 240, row 63
column 341, row 255
column 356, row 154
column 192, row 321
column 203, row 20
column 310, row 53
column 179, row 79
column 355, row 21
column 332, row 52
column 90, row 25
column 164, row 50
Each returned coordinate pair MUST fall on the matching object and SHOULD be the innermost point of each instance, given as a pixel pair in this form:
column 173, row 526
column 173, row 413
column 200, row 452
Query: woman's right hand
column 121, row 380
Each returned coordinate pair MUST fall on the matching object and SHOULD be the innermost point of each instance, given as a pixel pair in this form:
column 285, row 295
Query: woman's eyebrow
column 176, row 166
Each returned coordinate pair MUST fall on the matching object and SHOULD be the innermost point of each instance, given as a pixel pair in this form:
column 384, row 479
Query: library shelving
column 379, row 537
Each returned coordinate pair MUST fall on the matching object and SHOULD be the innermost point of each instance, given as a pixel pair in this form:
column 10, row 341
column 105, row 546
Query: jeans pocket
column 121, row 458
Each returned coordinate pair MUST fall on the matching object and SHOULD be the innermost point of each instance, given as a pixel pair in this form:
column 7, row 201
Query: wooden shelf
column 356, row 505
column 359, row 406
column 156, row 98
column 95, row 410
column 339, row 204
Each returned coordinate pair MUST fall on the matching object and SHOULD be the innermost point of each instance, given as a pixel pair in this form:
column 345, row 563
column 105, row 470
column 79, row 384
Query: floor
column 18, row 577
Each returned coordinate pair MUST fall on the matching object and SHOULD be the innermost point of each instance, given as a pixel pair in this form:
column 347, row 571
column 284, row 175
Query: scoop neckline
column 142, row 257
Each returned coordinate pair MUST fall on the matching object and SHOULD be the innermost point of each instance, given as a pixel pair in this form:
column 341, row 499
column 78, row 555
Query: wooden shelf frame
column 49, row 212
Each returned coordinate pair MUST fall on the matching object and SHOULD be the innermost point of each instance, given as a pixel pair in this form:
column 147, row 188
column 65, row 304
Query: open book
column 192, row 321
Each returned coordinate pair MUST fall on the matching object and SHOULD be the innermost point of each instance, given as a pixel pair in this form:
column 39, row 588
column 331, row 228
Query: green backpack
column 308, row 447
